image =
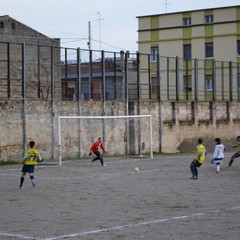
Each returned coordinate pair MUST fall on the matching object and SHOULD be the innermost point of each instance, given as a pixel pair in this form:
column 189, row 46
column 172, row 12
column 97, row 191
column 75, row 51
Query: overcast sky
column 113, row 22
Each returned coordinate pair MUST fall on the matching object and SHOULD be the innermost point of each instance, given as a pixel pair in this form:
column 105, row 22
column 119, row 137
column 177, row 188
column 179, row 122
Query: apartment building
column 210, row 35
column 207, row 33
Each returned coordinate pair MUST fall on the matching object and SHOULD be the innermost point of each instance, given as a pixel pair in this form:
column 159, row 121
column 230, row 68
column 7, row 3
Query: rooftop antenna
column 166, row 5
column 99, row 28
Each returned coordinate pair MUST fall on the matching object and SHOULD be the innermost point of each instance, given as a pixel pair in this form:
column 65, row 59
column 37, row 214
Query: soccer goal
column 121, row 135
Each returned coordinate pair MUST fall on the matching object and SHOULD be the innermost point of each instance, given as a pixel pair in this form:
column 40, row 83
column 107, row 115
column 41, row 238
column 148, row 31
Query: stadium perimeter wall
column 176, row 125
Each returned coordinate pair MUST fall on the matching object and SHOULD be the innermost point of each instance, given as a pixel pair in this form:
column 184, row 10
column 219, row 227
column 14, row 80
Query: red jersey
column 95, row 147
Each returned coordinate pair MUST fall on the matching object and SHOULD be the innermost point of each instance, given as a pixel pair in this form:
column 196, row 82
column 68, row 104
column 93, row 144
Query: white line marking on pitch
column 118, row 227
column 137, row 224
column 19, row 236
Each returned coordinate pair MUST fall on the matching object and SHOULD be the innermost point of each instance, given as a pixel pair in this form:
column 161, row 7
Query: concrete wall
column 176, row 126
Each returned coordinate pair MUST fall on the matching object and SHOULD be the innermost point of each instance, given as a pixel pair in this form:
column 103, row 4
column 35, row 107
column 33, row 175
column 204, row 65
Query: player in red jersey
column 95, row 149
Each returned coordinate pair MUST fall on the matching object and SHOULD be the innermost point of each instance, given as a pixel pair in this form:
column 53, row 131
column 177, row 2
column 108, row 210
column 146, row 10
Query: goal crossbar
column 103, row 117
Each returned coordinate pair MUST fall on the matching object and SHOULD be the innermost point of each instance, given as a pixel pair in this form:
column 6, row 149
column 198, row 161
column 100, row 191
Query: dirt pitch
column 81, row 201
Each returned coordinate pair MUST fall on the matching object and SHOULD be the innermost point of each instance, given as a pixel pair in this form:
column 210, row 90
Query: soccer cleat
column 104, row 165
column 93, row 163
column 20, row 187
column 194, row 178
column 33, row 183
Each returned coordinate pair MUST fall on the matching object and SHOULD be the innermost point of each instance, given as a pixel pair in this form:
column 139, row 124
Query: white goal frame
column 102, row 117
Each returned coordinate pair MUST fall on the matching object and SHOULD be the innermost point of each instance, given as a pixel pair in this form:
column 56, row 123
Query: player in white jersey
column 218, row 155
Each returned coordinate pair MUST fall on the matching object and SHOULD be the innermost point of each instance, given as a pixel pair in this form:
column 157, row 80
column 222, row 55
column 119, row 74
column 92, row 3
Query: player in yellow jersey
column 31, row 158
column 199, row 159
column 236, row 154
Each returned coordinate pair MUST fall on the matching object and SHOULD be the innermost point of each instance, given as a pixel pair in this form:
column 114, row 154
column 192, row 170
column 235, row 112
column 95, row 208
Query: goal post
column 122, row 135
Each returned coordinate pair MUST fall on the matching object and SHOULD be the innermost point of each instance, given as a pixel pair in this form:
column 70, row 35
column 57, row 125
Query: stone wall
column 176, row 126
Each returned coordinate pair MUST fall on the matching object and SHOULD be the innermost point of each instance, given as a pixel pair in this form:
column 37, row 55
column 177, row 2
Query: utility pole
column 89, row 35
column 99, row 29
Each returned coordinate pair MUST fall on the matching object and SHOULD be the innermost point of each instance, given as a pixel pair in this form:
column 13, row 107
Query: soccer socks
column 196, row 172
column 230, row 162
column 21, row 182
column 218, row 168
column 101, row 160
column 33, row 181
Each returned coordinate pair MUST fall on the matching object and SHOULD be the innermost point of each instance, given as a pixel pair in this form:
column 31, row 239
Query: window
column 238, row 48
column 209, row 19
column 186, row 21
column 187, row 82
column 154, row 54
column 13, row 25
column 209, row 82
column 209, row 50
column 1, row 24
column 187, row 51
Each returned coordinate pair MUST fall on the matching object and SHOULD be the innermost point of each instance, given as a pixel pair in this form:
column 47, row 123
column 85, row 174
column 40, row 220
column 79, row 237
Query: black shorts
column 28, row 168
column 196, row 163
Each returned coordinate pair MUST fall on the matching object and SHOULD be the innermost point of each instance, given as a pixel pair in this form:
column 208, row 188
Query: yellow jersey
column 238, row 148
column 200, row 153
column 31, row 157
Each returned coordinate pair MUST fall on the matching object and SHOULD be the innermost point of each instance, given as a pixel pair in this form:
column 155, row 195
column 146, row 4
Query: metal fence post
column 230, row 82
column 214, row 87
column 196, row 79
column 79, row 102
column 53, row 100
column 103, row 96
column 24, row 96
column 177, row 79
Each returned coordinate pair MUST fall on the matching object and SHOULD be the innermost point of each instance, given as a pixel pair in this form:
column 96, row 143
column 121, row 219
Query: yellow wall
column 222, row 15
column 167, row 21
column 170, row 49
column 198, row 32
column 144, row 23
column 225, row 29
column 228, row 51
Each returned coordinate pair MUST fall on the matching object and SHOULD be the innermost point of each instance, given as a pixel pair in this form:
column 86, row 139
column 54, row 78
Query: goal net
column 121, row 135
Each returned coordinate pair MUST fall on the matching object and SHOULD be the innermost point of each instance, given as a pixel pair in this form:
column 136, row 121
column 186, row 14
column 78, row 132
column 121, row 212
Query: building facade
column 210, row 35
column 27, row 58
column 101, row 78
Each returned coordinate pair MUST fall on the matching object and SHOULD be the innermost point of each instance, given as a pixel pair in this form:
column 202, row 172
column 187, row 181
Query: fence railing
column 42, row 72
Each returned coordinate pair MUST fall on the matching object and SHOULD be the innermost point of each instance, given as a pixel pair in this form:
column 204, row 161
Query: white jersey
column 219, row 151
